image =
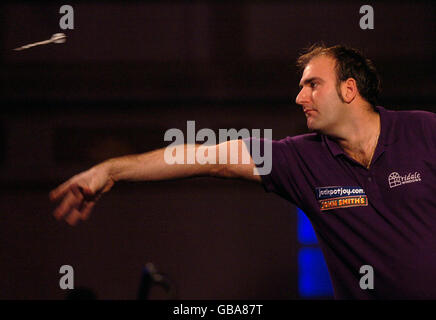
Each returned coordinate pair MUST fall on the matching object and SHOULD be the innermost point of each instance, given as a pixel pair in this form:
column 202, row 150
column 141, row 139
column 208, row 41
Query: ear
column 349, row 90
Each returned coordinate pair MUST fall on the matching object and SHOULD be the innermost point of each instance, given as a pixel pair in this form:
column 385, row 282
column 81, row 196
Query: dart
column 56, row 38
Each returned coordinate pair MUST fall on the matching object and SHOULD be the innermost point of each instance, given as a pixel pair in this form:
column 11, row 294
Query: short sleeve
column 280, row 156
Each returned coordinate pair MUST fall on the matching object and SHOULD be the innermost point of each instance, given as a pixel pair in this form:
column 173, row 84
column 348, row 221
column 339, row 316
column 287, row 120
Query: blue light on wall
column 313, row 276
column 313, row 279
column 306, row 234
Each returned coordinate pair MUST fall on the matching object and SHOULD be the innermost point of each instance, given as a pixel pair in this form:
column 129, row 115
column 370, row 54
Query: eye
column 313, row 84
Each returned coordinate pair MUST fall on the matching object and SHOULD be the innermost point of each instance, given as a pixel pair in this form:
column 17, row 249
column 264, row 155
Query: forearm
column 151, row 166
column 81, row 192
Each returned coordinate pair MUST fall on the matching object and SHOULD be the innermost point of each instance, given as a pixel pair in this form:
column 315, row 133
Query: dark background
column 130, row 71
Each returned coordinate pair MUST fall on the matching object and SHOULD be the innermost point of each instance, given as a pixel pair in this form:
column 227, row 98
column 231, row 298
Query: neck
column 359, row 136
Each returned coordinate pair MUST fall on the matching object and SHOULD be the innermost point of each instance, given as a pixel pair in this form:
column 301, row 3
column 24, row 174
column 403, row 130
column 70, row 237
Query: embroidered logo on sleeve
column 340, row 197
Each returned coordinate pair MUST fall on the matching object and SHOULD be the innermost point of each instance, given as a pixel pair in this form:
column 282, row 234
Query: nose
column 302, row 97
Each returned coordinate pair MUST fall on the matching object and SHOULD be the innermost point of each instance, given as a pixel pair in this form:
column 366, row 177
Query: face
column 319, row 96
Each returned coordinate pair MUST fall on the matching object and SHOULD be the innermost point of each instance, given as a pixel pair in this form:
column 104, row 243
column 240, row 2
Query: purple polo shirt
column 384, row 216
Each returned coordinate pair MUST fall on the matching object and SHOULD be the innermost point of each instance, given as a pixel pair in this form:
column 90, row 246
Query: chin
column 311, row 126
column 316, row 126
column 316, row 129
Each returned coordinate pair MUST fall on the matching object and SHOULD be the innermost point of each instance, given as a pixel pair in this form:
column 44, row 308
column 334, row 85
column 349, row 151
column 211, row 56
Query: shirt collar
column 386, row 138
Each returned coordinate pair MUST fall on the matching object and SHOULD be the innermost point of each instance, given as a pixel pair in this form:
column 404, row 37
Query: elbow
column 221, row 171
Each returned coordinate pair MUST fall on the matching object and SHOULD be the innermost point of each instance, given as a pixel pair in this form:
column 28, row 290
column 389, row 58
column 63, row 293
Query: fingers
column 73, row 217
column 60, row 191
column 86, row 210
column 65, row 206
column 72, row 200
column 76, row 205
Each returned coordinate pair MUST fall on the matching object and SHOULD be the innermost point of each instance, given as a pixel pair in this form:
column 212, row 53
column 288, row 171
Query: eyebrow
column 310, row 80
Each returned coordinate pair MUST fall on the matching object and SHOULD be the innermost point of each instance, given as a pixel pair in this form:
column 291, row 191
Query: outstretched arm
column 79, row 194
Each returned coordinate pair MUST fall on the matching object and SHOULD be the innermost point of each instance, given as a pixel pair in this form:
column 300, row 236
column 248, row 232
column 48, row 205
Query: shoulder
column 302, row 139
column 413, row 117
column 414, row 126
column 420, row 115
column 304, row 144
column 422, row 122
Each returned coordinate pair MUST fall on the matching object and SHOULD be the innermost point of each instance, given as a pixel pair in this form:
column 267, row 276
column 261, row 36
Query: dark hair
column 350, row 63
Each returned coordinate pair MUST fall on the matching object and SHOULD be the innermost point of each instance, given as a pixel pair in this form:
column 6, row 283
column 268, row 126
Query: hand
column 80, row 193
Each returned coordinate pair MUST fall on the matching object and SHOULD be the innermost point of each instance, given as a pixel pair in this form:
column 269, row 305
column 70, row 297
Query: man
column 365, row 178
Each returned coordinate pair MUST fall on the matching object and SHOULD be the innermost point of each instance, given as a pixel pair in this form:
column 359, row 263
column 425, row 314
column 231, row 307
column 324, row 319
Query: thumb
column 87, row 192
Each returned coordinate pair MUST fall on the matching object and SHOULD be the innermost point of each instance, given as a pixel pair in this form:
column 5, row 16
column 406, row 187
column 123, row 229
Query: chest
column 395, row 182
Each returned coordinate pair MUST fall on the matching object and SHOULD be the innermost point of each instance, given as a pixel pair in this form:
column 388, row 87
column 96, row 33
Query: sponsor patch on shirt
column 340, row 197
